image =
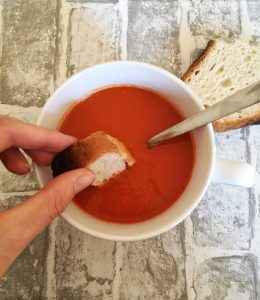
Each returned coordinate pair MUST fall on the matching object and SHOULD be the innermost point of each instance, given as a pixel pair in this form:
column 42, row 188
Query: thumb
column 57, row 194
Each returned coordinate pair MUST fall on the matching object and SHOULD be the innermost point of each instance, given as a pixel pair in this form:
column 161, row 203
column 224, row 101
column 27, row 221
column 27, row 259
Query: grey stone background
column 213, row 254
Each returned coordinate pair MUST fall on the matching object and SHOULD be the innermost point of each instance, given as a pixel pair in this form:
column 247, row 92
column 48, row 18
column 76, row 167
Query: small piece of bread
column 220, row 71
column 101, row 153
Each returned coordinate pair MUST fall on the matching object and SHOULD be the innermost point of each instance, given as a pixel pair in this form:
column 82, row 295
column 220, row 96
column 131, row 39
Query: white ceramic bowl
column 170, row 87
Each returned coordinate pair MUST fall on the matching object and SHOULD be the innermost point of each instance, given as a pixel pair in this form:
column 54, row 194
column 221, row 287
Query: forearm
column 18, row 227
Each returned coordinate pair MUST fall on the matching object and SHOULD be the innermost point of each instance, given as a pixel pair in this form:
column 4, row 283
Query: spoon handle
column 244, row 98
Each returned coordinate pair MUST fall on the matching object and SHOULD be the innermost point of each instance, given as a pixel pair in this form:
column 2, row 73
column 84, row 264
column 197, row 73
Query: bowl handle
column 233, row 172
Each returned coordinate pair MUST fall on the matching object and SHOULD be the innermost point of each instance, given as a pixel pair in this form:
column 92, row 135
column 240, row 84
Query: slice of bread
column 220, row 71
column 101, row 153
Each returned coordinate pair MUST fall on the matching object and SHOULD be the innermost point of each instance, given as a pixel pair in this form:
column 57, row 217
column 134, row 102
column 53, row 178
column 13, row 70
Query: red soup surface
column 159, row 176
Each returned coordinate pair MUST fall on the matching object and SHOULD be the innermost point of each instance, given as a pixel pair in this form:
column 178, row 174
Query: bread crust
column 86, row 151
column 223, row 124
column 196, row 64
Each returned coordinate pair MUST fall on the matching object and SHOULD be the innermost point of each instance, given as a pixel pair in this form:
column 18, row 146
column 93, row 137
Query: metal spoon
column 240, row 100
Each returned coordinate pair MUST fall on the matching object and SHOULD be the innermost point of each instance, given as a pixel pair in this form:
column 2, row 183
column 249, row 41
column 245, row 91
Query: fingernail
column 83, row 181
column 71, row 137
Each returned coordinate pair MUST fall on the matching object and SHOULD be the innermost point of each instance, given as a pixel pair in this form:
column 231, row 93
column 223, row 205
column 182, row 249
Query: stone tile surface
column 214, row 254
column 254, row 146
column 10, row 182
column 212, row 19
column 153, row 31
column 93, row 35
column 29, row 33
column 226, row 277
column 254, row 17
column 26, row 277
column 9, row 200
column 84, row 265
column 154, row 268
column 222, row 218
column 229, row 222
column 227, row 144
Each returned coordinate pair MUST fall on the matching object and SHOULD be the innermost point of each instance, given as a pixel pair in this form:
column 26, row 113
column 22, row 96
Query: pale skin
column 21, row 224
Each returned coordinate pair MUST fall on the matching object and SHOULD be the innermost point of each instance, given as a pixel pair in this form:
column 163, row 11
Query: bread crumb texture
column 220, row 71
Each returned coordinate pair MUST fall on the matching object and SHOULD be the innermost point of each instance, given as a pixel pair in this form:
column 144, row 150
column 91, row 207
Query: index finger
column 16, row 133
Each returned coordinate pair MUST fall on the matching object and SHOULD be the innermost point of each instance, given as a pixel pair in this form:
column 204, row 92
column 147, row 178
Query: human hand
column 19, row 225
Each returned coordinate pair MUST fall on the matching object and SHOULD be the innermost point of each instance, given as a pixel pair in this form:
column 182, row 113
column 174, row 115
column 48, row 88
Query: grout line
column 186, row 39
column 185, row 52
column 246, row 26
column 51, row 284
column 190, row 264
column 255, row 194
column 118, row 262
column 57, row 46
column 123, row 19
column 60, row 70
column 61, row 67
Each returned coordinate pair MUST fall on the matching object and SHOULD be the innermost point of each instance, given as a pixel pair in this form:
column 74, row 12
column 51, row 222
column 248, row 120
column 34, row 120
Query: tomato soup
column 159, row 176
